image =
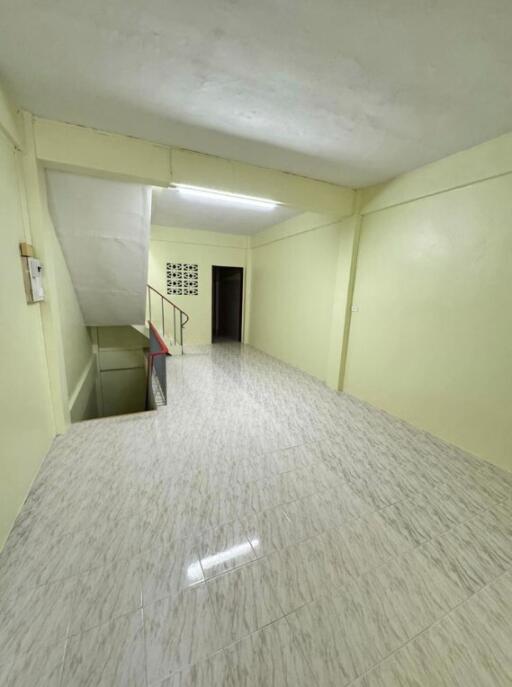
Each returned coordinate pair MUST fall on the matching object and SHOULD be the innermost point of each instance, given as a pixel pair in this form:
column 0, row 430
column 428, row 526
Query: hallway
column 260, row 530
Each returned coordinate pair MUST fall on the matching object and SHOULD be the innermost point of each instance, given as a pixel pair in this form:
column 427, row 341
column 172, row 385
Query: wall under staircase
column 103, row 227
column 121, row 369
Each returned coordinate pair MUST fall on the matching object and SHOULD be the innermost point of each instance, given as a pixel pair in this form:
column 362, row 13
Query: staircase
column 166, row 322
column 103, row 227
column 168, row 319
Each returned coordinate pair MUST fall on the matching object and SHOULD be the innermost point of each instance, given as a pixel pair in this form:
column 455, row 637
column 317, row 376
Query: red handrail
column 163, row 350
column 163, row 346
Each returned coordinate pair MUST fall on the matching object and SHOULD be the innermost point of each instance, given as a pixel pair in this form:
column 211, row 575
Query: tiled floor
column 259, row 531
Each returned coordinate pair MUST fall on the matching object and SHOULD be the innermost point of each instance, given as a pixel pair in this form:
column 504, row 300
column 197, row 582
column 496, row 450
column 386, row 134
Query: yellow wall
column 44, row 348
column 342, row 301
column 293, row 268
column 77, row 346
column 26, row 420
column 431, row 342
column 10, row 124
column 205, row 248
column 69, row 348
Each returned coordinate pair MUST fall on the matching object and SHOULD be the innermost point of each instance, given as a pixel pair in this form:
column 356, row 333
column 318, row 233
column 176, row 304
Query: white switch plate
column 355, row 308
column 35, row 273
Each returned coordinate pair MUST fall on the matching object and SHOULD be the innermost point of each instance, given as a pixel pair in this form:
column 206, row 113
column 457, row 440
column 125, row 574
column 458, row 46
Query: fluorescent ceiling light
column 225, row 197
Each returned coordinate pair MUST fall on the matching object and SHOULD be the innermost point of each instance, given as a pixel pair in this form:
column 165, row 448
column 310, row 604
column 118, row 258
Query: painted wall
column 204, row 248
column 121, row 370
column 432, row 340
column 342, row 301
column 26, row 420
column 293, row 267
column 45, row 352
column 76, row 342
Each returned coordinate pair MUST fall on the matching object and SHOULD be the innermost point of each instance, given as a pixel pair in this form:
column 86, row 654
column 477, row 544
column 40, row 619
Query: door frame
column 241, row 270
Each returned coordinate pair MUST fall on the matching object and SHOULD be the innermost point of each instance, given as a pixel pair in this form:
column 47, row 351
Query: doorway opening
column 227, row 299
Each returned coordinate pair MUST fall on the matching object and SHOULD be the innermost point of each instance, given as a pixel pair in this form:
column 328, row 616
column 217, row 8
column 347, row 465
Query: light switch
column 35, row 273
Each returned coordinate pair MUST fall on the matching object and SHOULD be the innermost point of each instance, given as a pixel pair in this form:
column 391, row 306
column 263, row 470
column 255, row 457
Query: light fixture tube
column 225, row 197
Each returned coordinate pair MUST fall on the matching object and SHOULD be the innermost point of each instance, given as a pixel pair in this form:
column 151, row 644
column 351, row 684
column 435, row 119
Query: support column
column 348, row 247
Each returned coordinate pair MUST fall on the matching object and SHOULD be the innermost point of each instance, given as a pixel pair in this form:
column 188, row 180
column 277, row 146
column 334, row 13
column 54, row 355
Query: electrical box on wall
column 35, row 271
column 33, row 274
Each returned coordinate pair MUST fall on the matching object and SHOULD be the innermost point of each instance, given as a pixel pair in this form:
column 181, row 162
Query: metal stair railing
column 176, row 317
column 156, row 382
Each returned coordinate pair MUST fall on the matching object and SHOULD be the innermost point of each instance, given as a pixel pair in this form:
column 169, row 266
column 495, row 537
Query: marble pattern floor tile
column 272, row 657
column 212, row 672
column 485, row 625
column 180, row 631
column 257, row 496
column 377, row 491
column 292, row 458
column 418, row 664
column 469, row 491
column 363, row 544
column 169, row 568
column 48, row 561
column 260, row 530
column 272, row 530
column 346, row 634
column 422, row 517
column 224, row 548
column 5, row 668
column 471, row 555
column 41, row 667
column 244, row 601
column 499, row 517
column 444, row 656
column 213, row 510
column 307, row 517
column 416, row 591
column 303, row 572
column 109, row 655
column 102, row 594
column 334, row 506
column 37, row 618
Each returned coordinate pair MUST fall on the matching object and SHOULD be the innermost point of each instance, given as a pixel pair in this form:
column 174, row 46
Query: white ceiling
column 352, row 91
column 172, row 209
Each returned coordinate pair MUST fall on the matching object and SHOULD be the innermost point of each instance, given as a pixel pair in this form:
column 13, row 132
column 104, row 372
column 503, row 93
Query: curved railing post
column 177, row 327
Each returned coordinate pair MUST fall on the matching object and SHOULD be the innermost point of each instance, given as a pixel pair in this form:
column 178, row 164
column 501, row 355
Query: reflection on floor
column 260, row 530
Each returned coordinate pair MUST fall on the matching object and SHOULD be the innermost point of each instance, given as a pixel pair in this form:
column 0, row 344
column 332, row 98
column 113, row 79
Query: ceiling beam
column 10, row 122
column 84, row 150
column 188, row 167
column 79, row 149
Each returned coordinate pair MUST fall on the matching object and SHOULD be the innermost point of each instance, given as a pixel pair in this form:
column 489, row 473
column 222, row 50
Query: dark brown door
column 227, row 299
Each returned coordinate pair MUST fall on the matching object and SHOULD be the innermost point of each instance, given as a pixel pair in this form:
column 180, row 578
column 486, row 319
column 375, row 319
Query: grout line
column 434, row 624
column 144, row 638
column 62, row 666
column 273, row 507
column 248, row 392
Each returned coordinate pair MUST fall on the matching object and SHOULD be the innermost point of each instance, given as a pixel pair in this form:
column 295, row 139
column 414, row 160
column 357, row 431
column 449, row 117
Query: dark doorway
column 227, row 287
